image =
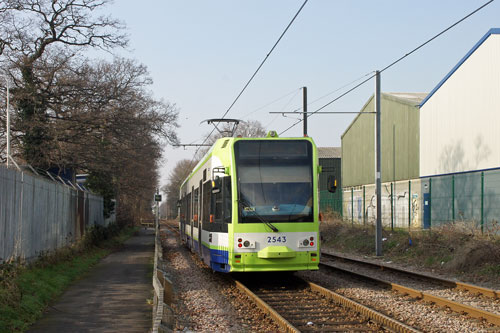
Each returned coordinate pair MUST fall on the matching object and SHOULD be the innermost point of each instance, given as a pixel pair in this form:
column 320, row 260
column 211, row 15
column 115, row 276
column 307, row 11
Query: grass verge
column 449, row 249
column 26, row 290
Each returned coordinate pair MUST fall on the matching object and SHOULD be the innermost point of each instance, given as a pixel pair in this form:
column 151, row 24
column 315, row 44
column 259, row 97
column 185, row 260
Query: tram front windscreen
column 275, row 180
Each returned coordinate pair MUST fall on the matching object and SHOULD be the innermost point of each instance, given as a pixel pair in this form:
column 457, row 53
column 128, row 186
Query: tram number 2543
column 276, row 239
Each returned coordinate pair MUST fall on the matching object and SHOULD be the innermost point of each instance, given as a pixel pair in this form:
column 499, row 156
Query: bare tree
column 108, row 124
column 96, row 117
column 31, row 29
column 245, row 129
column 172, row 188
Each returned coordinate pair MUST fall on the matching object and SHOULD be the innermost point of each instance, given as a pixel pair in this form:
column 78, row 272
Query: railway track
column 298, row 306
column 477, row 302
column 301, row 306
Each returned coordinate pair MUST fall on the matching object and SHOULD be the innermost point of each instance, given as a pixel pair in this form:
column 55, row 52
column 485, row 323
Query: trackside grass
column 26, row 290
column 450, row 249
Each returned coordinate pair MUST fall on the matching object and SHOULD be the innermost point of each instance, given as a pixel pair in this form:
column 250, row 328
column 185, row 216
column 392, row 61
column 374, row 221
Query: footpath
column 112, row 297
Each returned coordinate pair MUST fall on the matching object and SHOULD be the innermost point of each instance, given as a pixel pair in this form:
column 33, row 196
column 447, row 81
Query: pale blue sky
column 201, row 53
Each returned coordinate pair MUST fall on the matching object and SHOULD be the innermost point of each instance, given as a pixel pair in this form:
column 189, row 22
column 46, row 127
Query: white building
column 459, row 119
column 460, row 141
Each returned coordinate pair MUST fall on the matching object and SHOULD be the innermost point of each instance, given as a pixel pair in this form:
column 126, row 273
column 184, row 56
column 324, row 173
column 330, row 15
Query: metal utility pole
column 378, row 184
column 8, row 124
column 304, row 93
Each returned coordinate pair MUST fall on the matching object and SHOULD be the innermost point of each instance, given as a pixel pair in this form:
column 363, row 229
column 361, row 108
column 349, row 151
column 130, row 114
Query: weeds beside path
column 25, row 291
column 449, row 250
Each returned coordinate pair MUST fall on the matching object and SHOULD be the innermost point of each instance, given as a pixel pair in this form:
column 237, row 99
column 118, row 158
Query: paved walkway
column 112, row 297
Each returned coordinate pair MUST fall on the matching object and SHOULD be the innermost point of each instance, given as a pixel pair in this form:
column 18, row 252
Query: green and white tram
column 251, row 204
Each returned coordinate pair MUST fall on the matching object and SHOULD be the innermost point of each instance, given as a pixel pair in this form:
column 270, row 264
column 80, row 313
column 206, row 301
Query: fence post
column 453, row 198
column 409, row 204
column 342, row 203
column 364, row 205
column 430, row 203
column 352, row 205
column 482, row 202
column 392, row 208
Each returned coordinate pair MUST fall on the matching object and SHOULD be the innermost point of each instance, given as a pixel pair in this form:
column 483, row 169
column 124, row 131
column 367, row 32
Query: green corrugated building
column 399, row 141
column 329, row 159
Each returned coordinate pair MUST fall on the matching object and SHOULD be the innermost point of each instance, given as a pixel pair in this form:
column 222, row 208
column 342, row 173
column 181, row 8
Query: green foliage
column 102, row 183
column 98, row 234
column 491, row 269
column 26, row 291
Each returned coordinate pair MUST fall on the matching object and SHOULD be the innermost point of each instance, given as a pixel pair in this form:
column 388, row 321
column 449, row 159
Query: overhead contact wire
column 393, row 63
column 254, row 74
column 265, row 58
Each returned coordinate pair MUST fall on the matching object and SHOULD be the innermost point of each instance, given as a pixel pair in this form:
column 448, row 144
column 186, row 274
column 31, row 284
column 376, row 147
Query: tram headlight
column 305, row 242
column 246, row 243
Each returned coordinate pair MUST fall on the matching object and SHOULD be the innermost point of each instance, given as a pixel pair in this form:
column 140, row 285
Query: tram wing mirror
column 216, row 185
column 331, row 184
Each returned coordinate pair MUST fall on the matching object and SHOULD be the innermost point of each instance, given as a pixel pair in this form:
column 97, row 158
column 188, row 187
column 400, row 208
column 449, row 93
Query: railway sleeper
column 325, row 314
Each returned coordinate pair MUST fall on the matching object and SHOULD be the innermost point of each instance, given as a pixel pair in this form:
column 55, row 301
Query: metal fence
column 471, row 200
column 163, row 294
column 401, row 204
column 331, row 202
column 38, row 215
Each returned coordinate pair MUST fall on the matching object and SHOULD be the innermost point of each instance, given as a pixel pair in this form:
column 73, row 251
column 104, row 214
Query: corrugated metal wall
column 399, row 134
column 38, row 215
column 459, row 121
column 330, row 201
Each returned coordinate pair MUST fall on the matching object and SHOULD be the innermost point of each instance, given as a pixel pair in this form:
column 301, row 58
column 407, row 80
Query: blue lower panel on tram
column 218, row 259
column 196, row 245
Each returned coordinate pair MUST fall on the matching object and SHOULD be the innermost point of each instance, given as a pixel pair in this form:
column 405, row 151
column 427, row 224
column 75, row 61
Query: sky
column 201, row 53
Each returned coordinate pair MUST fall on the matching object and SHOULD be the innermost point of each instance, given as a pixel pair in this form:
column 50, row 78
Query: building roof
column 493, row 31
column 329, row 152
column 413, row 98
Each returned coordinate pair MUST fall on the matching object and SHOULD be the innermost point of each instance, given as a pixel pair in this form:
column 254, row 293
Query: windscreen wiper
column 267, row 223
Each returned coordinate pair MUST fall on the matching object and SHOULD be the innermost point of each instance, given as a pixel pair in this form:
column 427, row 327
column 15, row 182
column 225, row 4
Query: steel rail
column 443, row 302
column 455, row 284
column 374, row 315
column 282, row 322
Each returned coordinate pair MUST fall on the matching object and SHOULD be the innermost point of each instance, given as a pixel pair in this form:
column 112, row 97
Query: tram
column 251, row 204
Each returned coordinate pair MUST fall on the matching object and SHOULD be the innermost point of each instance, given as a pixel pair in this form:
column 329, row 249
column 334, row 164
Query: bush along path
column 27, row 290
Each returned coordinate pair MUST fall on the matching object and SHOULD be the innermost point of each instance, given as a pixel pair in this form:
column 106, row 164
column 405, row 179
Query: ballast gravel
column 416, row 313
column 460, row 296
column 209, row 302
column 206, row 301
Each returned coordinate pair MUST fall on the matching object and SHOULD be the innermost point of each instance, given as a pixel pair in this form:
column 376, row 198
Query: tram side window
column 188, row 211
column 196, row 213
column 217, row 206
column 183, row 210
column 207, row 187
column 221, row 202
column 226, row 192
